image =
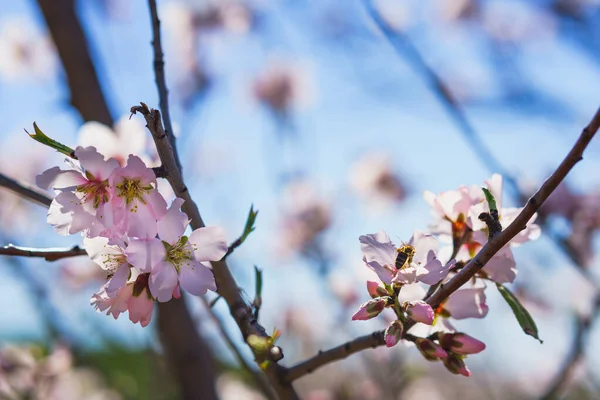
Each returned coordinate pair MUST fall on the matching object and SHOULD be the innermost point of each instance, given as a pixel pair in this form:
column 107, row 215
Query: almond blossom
column 178, row 259
column 380, row 256
column 82, row 190
column 457, row 216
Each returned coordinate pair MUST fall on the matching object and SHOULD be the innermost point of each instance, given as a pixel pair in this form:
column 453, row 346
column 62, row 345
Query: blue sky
column 366, row 98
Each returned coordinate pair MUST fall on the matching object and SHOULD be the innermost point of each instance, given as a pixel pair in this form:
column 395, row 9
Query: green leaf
column 47, row 141
column 525, row 320
column 490, row 198
column 249, row 224
column 259, row 284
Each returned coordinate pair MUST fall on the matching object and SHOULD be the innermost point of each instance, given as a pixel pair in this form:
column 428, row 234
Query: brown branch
column 258, row 378
column 72, row 46
column 52, row 254
column 159, row 73
column 24, row 190
column 226, row 284
column 472, row 267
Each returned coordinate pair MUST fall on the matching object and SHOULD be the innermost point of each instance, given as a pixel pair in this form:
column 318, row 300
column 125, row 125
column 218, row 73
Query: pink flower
column 393, row 333
column 370, row 309
column 420, row 312
column 178, row 259
column 467, row 303
column 136, row 196
column 133, row 297
column 83, row 190
column 380, row 255
column 112, row 259
column 461, row 343
column 455, row 364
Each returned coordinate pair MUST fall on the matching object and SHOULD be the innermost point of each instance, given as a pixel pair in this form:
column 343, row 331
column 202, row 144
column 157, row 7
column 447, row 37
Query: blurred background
column 331, row 117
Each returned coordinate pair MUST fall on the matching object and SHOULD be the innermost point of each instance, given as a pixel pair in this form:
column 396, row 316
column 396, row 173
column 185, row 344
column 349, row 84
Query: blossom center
column 94, row 191
column 131, row 190
column 112, row 262
column 179, row 253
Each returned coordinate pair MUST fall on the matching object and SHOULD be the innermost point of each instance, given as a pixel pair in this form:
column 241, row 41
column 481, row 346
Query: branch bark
column 27, row 191
column 226, row 284
column 72, row 46
column 52, row 254
column 476, row 264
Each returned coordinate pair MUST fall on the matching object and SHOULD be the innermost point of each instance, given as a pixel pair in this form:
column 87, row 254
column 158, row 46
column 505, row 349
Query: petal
column 196, row 279
column 502, row 267
column 118, row 280
column 433, row 272
column 163, row 281
column 425, row 245
column 140, row 309
column 141, row 222
column 209, row 243
column 94, row 162
column 384, row 274
column 406, row 275
column 172, row 225
column 57, row 178
column 145, row 254
column 467, row 303
column 378, row 247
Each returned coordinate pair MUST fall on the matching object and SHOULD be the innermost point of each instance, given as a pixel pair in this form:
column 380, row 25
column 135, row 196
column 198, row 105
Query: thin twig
column 51, row 254
column 161, row 85
column 403, row 45
column 226, row 284
column 256, row 375
column 29, row 192
column 472, row 267
column 563, row 376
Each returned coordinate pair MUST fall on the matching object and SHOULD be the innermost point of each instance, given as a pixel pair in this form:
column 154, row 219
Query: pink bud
column 461, row 343
column 420, row 312
column 176, row 292
column 455, row 364
column 393, row 333
column 430, row 350
column 375, row 290
column 370, row 309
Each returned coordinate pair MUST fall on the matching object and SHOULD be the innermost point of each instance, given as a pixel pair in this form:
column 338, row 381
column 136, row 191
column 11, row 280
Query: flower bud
column 430, row 350
column 461, row 343
column 393, row 333
column 375, row 290
column 370, row 309
column 420, row 312
column 455, row 364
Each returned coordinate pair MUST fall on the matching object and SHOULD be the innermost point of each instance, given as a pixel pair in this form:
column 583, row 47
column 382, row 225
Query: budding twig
column 51, row 254
column 475, row 265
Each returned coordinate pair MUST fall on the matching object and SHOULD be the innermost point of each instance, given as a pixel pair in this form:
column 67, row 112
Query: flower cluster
column 129, row 231
column 416, row 264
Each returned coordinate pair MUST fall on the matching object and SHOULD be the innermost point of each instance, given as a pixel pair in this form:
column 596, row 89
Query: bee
column 405, row 256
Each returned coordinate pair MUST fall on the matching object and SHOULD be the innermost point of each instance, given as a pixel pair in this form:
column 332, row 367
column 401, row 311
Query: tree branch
column 226, row 284
column 464, row 275
column 72, row 46
column 159, row 73
column 52, row 254
column 29, row 192
column 256, row 375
